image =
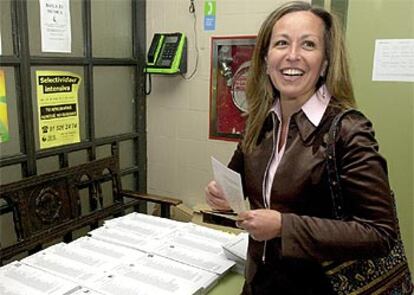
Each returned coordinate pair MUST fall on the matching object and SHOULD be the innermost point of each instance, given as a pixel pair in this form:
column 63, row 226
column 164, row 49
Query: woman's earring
column 322, row 73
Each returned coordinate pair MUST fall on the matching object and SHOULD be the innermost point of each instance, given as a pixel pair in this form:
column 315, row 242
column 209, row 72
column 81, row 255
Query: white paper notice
column 55, row 26
column 230, row 182
column 393, row 60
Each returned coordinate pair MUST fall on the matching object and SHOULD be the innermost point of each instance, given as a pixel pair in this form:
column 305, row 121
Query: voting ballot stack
column 133, row 254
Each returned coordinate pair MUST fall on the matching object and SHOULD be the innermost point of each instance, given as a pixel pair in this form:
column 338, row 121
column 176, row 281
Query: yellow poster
column 57, row 100
column 4, row 124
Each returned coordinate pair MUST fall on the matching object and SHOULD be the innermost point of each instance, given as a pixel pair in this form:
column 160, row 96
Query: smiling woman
column 298, row 83
column 295, row 61
column 333, row 71
column 296, row 57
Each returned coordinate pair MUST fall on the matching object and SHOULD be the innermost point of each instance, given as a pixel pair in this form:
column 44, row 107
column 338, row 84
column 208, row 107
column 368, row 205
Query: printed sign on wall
column 57, row 99
column 4, row 125
column 55, row 26
column 393, row 60
column 209, row 15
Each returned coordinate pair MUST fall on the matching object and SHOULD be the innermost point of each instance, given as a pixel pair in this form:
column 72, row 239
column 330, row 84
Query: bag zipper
column 265, row 203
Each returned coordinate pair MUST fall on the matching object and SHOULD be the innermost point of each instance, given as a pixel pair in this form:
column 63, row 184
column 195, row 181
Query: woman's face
column 296, row 55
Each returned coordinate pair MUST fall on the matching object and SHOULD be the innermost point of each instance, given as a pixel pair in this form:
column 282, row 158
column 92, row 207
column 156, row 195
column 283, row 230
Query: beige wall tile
column 179, row 150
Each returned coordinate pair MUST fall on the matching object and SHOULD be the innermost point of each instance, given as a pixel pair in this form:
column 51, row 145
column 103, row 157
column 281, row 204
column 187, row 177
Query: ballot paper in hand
column 230, row 183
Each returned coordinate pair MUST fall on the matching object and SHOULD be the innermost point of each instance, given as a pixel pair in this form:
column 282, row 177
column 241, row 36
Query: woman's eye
column 309, row 44
column 280, row 43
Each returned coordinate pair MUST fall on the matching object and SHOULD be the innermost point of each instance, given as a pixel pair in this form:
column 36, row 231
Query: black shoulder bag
column 388, row 275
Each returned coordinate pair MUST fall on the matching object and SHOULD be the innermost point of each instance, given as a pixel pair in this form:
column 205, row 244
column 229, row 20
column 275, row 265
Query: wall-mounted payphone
column 167, row 54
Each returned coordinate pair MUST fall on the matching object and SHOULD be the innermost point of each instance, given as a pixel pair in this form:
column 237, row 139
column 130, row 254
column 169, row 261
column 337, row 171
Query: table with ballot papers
column 133, row 254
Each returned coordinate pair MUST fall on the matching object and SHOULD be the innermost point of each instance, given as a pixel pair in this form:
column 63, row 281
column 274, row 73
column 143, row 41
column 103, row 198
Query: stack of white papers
column 19, row 279
column 201, row 238
column 195, row 257
column 120, row 236
column 138, row 231
column 133, row 254
column 152, row 220
column 146, row 225
column 107, row 251
column 69, row 263
column 154, row 275
column 236, row 250
column 187, row 243
column 214, row 236
column 124, row 258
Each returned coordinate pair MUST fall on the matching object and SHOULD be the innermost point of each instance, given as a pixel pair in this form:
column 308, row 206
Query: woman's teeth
column 292, row 72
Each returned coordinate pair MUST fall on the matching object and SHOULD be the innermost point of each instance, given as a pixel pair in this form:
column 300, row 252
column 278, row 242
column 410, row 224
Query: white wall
column 388, row 104
column 178, row 110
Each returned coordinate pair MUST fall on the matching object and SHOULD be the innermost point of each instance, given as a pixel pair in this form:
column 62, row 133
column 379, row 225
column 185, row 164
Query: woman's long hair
column 260, row 91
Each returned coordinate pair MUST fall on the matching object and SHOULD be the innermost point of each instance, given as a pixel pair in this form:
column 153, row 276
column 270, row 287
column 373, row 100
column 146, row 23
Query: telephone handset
column 167, row 54
column 153, row 48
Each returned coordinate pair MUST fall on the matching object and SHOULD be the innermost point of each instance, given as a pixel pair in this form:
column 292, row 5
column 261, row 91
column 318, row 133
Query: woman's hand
column 261, row 224
column 215, row 197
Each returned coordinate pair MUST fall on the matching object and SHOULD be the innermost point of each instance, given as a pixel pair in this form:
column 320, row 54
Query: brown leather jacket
column 301, row 193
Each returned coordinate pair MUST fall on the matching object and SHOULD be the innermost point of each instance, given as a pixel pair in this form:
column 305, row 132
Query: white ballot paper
column 107, row 250
column 85, row 291
column 119, row 236
column 17, row 278
column 61, row 261
column 133, row 280
column 213, row 235
column 145, row 225
column 214, row 263
column 230, row 183
column 236, row 249
column 155, row 275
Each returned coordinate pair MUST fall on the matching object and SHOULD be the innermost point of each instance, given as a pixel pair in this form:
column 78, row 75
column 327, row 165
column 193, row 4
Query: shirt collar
column 314, row 107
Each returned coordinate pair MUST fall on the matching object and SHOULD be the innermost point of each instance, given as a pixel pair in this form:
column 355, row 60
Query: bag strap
column 332, row 167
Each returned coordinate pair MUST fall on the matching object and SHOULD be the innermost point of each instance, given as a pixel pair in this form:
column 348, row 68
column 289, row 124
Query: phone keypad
column 167, row 55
